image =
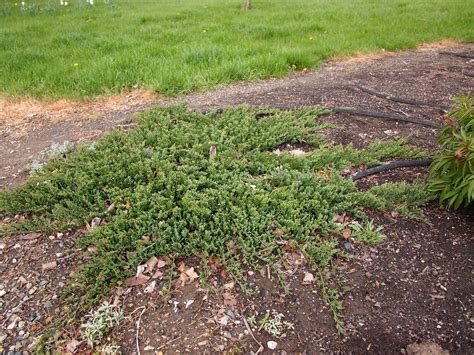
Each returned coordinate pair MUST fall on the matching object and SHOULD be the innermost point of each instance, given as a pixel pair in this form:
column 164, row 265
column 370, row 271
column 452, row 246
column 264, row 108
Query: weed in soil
column 187, row 184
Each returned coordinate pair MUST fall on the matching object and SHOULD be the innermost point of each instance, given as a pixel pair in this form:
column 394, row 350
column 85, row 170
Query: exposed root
column 400, row 99
column 458, row 54
column 390, row 166
column 385, row 116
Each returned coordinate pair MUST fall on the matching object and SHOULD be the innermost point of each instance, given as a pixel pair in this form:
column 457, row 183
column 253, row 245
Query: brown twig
column 261, row 347
column 138, row 329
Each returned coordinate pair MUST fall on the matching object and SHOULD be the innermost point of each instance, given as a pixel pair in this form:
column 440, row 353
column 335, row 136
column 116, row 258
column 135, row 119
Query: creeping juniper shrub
column 165, row 187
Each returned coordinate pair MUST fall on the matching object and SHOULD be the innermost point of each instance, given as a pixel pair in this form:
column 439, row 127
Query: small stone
column 272, row 345
column 11, row 325
column 43, row 282
column 21, row 324
column 3, row 293
column 2, row 245
column 227, row 335
column 348, row 246
column 3, row 336
column 308, row 278
column 224, row 321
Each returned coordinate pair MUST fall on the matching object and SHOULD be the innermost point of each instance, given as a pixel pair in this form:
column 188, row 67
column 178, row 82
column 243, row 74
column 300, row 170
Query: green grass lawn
column 176, row 47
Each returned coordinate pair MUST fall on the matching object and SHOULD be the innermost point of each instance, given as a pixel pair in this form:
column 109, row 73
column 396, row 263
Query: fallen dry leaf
column 229, row 300
column 136, row 280
column 157, row 275
column 191, row 274
column 229, row 286
column 72, row 345
column 151, row 263
column 346, row 233
column 140, row 269
column 161, row 263
column 95, row 222
column 308, row 278
column 212, row 152
column 30, row 236
column 183, row 278
column 279, row 232
column 181, row 267
column 150, row 288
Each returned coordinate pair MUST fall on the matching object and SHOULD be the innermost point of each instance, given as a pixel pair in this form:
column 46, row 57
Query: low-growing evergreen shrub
column 187, row 184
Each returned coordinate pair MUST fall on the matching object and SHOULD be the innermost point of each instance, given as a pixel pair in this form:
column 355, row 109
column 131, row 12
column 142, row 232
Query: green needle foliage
column 188, row 184
column 452, row 171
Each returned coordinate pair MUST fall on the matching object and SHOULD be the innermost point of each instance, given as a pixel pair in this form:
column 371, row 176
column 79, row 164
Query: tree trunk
column 247, row 4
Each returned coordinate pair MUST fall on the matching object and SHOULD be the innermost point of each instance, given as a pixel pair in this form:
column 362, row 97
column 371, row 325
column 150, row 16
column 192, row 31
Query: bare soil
column 415, row 287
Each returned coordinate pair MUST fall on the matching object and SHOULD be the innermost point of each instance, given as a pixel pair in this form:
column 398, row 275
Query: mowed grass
column 177, row 47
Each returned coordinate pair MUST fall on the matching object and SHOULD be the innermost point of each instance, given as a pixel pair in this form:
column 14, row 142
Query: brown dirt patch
column 19, row 117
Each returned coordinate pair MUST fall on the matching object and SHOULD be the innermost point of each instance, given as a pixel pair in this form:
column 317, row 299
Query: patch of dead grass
column 22, row 114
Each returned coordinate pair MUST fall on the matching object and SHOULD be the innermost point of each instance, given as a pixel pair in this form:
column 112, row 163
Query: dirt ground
column 414, row 287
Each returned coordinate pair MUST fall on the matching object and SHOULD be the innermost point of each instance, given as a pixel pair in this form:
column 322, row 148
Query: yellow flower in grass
column 76, row 64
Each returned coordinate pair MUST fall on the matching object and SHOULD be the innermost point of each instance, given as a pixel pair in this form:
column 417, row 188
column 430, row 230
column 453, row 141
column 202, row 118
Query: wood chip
column 49, row 266
column 30, row 236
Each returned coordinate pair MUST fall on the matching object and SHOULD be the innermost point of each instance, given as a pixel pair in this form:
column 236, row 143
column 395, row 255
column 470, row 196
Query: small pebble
column 272, row 345
column 3, row 293
column 348, row 246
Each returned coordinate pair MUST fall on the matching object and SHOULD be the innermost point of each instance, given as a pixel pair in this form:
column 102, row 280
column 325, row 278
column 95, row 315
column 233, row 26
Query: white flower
column 22, row 3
